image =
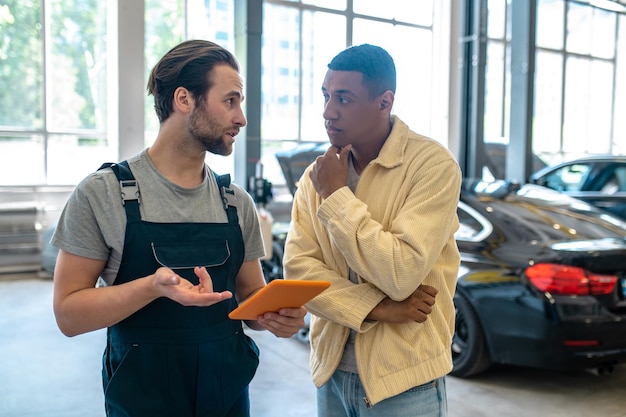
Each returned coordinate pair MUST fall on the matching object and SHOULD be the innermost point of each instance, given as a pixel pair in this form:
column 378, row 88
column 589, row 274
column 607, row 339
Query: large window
column 578, row 97
column 53, row 106
column 169, row 23
column 53, row 77
column 301, row 37
column 57, row 75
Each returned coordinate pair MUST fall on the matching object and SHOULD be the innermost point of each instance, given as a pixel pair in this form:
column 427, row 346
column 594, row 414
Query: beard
column 208, row 132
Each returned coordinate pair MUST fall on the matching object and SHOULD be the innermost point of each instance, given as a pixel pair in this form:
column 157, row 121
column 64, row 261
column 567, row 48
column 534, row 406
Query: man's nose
column 240, row 119
column 330, row 113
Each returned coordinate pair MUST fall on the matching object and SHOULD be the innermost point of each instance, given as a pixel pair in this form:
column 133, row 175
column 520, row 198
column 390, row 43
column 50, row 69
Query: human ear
column 386, row 100
column 183, row 99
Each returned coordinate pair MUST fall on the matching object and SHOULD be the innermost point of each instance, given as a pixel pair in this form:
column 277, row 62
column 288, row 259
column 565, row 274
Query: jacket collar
column 392, row 153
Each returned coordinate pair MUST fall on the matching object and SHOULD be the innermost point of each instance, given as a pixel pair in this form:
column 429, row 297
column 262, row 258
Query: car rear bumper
column 561, row 345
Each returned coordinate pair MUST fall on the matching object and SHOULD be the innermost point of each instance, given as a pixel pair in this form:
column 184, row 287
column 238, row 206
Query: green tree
column 78, row 45
column 21, row 57
column 164, row 29
column 76, row 64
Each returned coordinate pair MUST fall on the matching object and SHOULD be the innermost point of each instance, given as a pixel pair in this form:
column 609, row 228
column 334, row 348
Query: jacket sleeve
column 399, row 255
column 309, row 255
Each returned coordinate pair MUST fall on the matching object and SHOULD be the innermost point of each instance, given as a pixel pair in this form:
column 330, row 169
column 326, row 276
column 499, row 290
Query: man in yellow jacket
column 376, row 216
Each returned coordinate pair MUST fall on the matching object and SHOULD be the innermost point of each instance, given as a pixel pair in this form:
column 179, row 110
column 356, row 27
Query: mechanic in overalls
column 158, row 249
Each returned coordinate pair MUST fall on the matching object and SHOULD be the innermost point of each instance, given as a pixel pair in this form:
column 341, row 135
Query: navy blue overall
column 167, row 359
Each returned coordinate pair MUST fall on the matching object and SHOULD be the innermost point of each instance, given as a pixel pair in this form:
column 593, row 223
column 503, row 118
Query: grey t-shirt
column 93, row 222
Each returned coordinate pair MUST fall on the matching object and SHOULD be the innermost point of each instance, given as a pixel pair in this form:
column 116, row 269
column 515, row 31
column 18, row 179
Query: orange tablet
column 278, row 294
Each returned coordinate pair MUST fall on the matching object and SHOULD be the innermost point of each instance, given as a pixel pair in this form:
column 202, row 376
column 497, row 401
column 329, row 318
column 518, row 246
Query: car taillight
column 569, row 280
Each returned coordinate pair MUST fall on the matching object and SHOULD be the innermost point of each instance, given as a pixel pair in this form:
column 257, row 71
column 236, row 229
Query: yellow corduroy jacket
column 396, row 233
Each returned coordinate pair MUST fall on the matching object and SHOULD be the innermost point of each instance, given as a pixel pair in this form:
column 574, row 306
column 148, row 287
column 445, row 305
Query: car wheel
column 273, row 267
column 470, row 355
column 303, row 333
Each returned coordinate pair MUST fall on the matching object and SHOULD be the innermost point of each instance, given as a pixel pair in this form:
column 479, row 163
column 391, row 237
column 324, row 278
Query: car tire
column 470, row 354
column 303, row 335
column 273, row 267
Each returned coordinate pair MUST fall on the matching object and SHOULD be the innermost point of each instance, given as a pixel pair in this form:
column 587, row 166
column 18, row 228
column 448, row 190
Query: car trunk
column 600, row 256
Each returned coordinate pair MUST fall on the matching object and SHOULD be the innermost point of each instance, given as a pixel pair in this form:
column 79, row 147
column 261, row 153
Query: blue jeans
column 343, row 396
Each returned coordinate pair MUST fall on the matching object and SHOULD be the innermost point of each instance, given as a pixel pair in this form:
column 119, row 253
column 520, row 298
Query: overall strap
column 228, row 197
column 129, row 188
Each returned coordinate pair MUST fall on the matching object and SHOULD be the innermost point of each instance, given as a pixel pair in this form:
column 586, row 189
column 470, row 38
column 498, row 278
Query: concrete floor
column 45, row 374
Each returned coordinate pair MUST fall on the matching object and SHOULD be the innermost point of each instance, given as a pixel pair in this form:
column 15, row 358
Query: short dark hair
column 375, row 63
column 190, row 65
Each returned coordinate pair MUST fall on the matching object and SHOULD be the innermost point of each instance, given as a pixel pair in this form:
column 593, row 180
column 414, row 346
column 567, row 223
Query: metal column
column 248, row 33
column 524, row 18
column 472, row 61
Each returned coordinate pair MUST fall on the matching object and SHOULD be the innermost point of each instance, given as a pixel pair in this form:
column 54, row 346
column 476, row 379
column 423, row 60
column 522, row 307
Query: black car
column 598, row 180
column 542, row 281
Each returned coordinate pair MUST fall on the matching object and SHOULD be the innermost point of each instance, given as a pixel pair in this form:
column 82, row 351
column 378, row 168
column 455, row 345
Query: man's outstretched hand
column 171, row 285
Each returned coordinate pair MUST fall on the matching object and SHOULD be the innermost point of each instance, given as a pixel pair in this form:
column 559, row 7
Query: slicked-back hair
column 190, row 65
column 375, row 63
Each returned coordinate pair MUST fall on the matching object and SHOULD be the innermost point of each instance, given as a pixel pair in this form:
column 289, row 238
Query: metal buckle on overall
column 228, row 197
column 130, row 190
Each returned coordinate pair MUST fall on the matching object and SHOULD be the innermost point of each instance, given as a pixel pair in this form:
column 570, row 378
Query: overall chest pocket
column 183, row 255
